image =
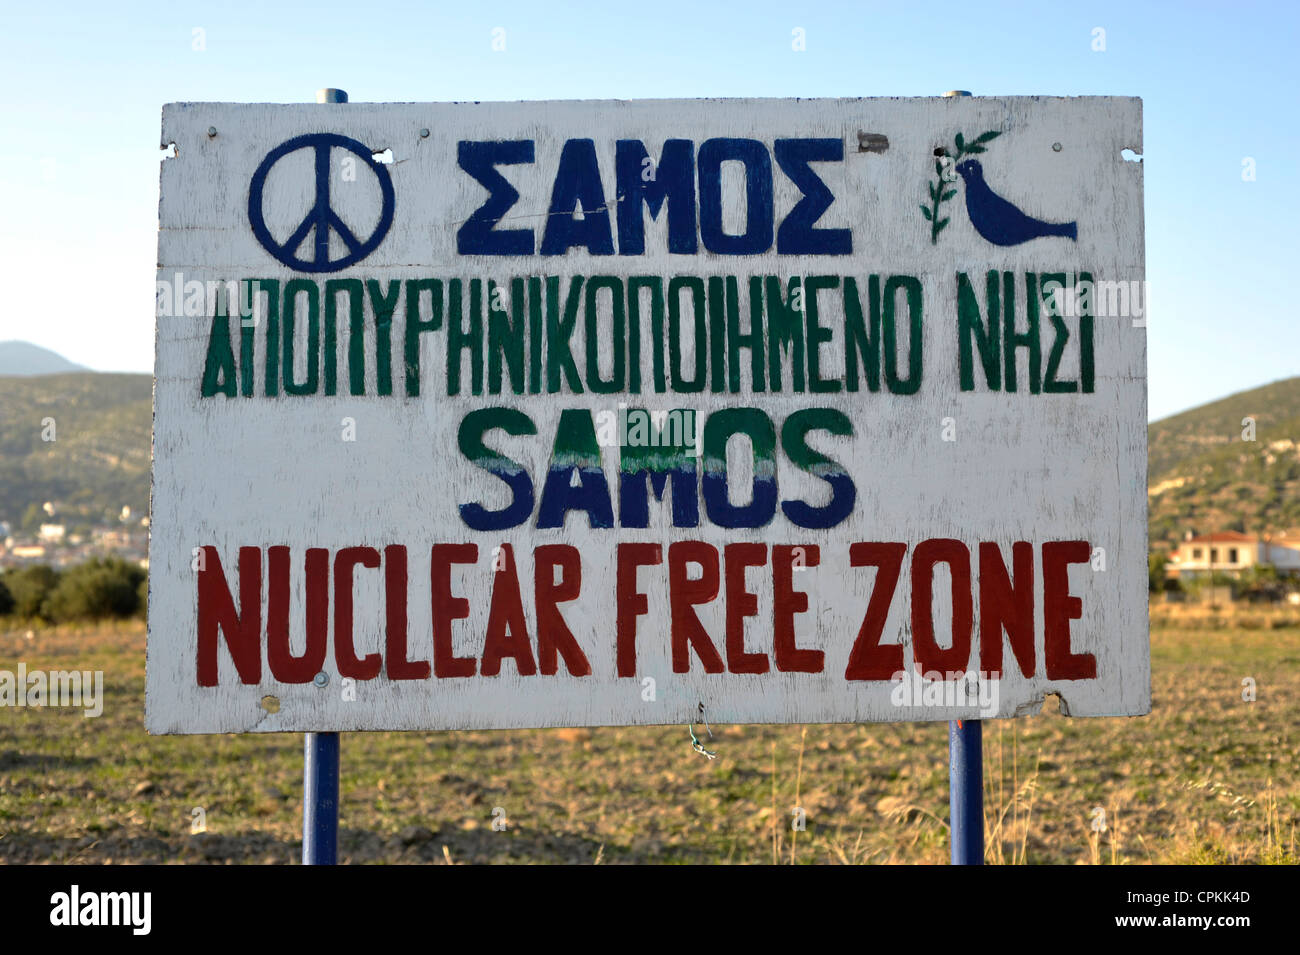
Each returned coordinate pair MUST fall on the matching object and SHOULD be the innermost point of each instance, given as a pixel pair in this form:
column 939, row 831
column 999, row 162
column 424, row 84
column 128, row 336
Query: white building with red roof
column 1230, row 552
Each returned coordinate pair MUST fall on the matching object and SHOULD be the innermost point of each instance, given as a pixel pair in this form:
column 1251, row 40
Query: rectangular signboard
column 601, row 413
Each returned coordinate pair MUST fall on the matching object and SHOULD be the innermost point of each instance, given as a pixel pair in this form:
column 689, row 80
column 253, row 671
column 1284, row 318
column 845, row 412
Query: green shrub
column 101, row 587
column 29, row 587
column 1156, row 564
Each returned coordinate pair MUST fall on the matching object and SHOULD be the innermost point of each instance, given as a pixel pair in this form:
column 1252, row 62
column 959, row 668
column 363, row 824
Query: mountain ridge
column 23, row 359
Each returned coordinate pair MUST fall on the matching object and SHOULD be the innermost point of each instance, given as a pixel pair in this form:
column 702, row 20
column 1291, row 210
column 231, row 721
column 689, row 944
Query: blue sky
column 81, row 86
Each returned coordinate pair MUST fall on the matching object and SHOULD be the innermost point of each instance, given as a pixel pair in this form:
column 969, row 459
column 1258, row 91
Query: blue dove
column 999, row 221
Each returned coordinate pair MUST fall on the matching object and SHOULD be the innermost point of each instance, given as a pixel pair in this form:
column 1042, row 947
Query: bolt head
column 1056, row 147
column 212, row 131
column 321, row 679
column 424, row 134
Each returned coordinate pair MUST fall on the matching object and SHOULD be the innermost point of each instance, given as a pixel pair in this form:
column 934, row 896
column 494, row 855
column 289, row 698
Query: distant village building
column 51, row 533
column 1230, row 553
column 1283, row 553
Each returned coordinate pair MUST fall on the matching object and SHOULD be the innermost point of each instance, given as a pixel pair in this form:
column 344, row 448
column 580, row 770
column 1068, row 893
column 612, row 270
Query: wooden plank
column 954, row 472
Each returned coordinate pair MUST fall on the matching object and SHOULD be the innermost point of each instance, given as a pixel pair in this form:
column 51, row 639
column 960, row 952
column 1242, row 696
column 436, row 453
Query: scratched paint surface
column 934, row 456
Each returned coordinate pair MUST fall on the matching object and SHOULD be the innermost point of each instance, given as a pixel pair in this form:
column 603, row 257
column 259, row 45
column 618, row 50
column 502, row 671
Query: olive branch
column 939, row 191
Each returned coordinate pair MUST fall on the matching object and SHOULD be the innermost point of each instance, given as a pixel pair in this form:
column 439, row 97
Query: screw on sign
column 322, row 219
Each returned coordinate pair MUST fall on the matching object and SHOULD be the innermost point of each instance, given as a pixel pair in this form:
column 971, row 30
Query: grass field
column 1206, row 778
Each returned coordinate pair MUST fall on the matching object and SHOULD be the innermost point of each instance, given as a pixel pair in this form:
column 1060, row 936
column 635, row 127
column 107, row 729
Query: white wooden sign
column 600, row 413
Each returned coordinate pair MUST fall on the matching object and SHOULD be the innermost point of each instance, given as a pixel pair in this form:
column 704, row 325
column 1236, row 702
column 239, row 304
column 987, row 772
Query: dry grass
column 1225, row 616
column 1206, row 778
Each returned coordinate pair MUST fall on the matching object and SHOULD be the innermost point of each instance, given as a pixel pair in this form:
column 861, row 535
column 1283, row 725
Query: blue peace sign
column 321, row 219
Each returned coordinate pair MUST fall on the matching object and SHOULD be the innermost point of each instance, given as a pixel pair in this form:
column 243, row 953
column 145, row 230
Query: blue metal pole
column 965, row 772
column 966, row 791
column 320, row 751
column 320, row 799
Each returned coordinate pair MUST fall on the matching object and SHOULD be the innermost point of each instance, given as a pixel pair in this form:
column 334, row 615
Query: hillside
column 99, row 458
column 1205, row 477
column 24, row 358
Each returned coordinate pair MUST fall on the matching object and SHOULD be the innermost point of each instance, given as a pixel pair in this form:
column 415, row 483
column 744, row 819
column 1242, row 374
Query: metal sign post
column 320, row 799
column 320, row 756
column 966, row 791
column 966, row 773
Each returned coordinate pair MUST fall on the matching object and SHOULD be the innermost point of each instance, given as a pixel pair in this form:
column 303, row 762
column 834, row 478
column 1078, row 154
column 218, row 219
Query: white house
column 1283, row 553
column 51, row 533
column 1229, row 552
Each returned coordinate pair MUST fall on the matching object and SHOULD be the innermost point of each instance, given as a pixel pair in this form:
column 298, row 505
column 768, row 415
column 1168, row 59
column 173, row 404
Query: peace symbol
column 321, row 219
